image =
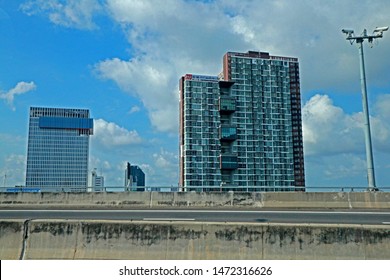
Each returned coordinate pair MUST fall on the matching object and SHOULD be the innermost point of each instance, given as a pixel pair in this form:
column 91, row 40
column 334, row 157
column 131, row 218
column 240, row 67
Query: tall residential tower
column 242, row 130
column 58, row 149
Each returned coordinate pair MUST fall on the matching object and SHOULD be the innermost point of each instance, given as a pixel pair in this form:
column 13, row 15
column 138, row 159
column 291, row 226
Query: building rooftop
column 264, row 55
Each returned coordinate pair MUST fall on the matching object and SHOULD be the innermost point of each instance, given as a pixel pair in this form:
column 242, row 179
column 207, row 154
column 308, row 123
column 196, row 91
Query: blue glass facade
column 62, row 122
column 228, row 133
column 229, row 162
column 134, row 178
column 227, row 104
column 58, row 149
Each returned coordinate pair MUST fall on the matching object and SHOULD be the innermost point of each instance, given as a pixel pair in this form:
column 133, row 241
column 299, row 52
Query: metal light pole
column 378, row 33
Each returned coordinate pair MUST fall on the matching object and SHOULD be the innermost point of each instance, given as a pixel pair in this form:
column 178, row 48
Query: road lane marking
column 167, row 219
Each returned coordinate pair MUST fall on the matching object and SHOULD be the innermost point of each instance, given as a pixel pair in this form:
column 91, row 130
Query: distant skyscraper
column 242, row 130
column 97, row 182
column 134, row 178
column 58, row 149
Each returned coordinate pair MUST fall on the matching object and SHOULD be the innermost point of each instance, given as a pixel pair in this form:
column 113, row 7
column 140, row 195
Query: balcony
column 227, row 104
column 227, row 133
column 228, row 161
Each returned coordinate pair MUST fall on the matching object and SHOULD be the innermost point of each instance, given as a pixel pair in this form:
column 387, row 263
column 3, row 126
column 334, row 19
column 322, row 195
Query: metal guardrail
column 20, row 189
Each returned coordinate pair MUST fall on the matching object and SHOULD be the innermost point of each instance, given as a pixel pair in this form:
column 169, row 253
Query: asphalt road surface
column 262, row 216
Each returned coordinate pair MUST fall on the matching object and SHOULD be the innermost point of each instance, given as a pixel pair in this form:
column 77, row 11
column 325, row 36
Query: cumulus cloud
column 165, row 159
column 334, row 142
column 191, row 36
column 149, row 83
column 241, row 27
column 110, row 134
column 164, row 167
column 182, row 37
column 329, row 130
column 383, row 106
column 20, row 88
column 164, row 47
column 311, row 31
column 102, row 166
column 70, row 13
column 380, row 124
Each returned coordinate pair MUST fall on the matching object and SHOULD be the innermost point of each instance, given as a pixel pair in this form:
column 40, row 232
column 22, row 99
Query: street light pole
column 366, row 114
column 378, row 33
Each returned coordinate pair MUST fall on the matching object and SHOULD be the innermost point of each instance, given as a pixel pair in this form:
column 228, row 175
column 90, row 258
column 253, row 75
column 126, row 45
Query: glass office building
column 58, row 149
column 134, row 178
column 242, row 130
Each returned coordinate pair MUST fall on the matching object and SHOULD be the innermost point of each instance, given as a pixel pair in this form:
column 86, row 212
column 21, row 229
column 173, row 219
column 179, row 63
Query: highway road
column 261, row 216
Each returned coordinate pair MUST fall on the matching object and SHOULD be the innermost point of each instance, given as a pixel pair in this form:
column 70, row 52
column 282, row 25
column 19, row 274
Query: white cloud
column 311, row 31
column 20, row 88
column 241, row 27
column 181, row 37
column 383, row 106
column 165, row 159
column 380, row 124
column 164, row 168
column 70, row 13
column 327, row 129
column 191, row 37
column 147, row 169
column 167, row 41
column 110, row 134
column 334, row 142
column 134, row 109
column 149, row 83
column 102, row 166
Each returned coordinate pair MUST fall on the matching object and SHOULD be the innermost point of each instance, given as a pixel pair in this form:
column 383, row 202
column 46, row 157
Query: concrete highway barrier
column 64, row 239
column 11, row 239
column 127, row 200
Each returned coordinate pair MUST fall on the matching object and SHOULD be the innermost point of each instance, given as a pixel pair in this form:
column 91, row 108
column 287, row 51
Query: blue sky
column 123, row 60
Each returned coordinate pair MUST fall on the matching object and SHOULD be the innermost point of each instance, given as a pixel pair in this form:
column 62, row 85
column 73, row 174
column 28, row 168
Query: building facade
column 58, row 149
column 243, row 129
column 134, row 178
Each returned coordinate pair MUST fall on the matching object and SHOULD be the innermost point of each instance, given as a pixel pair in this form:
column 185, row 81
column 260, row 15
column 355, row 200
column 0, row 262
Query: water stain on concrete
column 283, row 236
column 142, row 235
column 55, row 228
column 9, row 227
column 240, row 234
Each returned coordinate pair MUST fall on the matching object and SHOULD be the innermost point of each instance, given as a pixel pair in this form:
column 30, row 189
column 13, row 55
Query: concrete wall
column 340, row 200
column 178, row 240
column 11, row 239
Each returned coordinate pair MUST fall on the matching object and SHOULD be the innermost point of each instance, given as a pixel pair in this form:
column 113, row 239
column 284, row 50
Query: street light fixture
column 377, row 33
